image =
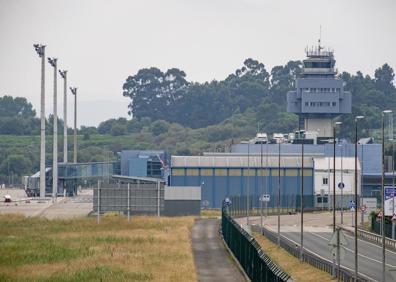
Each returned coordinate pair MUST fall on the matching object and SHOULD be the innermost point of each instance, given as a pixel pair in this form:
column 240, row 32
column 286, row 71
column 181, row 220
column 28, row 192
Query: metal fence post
column 129, row 206
column 98, row 217
column 158, row 200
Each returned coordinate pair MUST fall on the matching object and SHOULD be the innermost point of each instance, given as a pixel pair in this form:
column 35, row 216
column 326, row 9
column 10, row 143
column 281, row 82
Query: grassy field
column 33, row 249
column 299, row 271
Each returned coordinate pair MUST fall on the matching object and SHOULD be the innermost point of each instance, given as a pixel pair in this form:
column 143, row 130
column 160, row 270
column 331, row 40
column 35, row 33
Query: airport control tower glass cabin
column 319, row 96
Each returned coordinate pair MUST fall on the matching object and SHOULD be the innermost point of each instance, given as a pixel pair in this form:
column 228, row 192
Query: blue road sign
column 352, row 204
column 341, row 185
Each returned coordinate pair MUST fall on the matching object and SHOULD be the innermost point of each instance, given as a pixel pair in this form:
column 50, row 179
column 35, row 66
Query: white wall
column 324, row 169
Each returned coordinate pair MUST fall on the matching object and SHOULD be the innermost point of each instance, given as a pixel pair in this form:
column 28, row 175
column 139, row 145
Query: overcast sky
column 102, row 42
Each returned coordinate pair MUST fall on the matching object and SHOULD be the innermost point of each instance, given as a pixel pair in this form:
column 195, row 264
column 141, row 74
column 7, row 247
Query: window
column 325, row 181
column 334, row 104
column 306, row 104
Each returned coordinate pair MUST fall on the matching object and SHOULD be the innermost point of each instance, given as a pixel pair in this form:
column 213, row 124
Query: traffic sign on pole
column 341, row 185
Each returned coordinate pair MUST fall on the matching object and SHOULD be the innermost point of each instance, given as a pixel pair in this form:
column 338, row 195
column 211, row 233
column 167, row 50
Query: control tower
column 320, row 96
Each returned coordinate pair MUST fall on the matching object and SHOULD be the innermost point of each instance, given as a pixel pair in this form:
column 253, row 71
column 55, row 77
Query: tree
column 384, row 79
column 118, row 129
column 16, row 107
column 151, row 91
column 17, row 164
column 159, row 127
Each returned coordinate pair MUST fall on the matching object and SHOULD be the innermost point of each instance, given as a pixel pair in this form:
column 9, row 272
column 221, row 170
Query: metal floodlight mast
column 40, row 49
column 356, row 196
column 54, row 63
column 74, row 92
column 64, row 76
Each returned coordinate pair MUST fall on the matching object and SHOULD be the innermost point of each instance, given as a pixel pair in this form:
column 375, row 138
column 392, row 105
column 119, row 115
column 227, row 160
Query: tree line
column 186, row 117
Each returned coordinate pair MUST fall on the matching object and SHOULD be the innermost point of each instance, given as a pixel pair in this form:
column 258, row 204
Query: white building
column 345, row 173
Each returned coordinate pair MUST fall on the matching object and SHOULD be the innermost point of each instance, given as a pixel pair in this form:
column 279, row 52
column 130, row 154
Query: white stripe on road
column 316, row 254
column 352, row 251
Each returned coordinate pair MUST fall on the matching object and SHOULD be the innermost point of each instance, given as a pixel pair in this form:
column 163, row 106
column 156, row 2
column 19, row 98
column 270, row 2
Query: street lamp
column 74, row 92
column 302, row 138
column 54, row 63
column 279, row 188
column 40, row 49
column 334, row 173
column 248, row 187
column 64, row 76
column 357, row 118
column 383, row 192
column 342, row 183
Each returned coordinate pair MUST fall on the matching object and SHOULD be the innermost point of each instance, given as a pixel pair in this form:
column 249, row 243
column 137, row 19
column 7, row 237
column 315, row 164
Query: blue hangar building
column 221, row 176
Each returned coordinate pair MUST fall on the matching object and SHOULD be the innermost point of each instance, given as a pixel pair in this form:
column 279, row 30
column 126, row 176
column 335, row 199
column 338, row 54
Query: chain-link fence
column 256, row 264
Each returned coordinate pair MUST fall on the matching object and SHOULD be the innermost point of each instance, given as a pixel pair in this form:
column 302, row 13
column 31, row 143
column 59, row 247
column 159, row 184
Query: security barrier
column 256, row 264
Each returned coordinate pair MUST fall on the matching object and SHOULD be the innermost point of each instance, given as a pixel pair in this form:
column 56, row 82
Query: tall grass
column 33, row 249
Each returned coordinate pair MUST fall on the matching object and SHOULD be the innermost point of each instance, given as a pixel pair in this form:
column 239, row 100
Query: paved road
column 317, row 234
column 369, row 257
column 70, row 207
column 212, row 260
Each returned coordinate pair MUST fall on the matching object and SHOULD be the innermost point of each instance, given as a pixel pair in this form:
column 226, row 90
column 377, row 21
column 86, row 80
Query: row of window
column 320, row 104
column 321, row 90
column 325, row 65
column 236, row 172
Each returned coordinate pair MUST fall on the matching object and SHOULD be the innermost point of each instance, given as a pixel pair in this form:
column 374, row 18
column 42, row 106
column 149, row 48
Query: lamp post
column 279, row 189
column 64, row 76
column 40, row 49
column 334, row 174
column 54, row 63
column 302, row 137
column 74, row 92
column 261, row 185
column 248, row 187
column 383, row 192
column 356, row 196
column 342, row 183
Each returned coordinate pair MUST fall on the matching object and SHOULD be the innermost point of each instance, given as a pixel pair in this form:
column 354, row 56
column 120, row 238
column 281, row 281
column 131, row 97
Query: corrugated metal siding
column 217, row 188
column 182, row 193
column 237, row 161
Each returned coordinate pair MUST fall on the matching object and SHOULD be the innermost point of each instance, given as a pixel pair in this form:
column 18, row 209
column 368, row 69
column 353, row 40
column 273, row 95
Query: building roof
column 135, row 179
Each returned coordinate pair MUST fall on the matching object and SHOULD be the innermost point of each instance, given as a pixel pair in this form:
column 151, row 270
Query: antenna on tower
column 320, row 38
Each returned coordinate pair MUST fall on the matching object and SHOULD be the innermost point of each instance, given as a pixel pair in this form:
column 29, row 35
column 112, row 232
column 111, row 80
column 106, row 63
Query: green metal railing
column 256, row 264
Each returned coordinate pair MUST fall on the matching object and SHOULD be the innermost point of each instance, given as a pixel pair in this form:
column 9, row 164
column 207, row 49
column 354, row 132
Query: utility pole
column 74, row 92
column 40, row 49
column 64, row 76
column 54, row 63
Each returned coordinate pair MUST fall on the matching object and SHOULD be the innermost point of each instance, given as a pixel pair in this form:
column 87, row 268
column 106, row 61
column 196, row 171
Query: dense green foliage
column 189, row 118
